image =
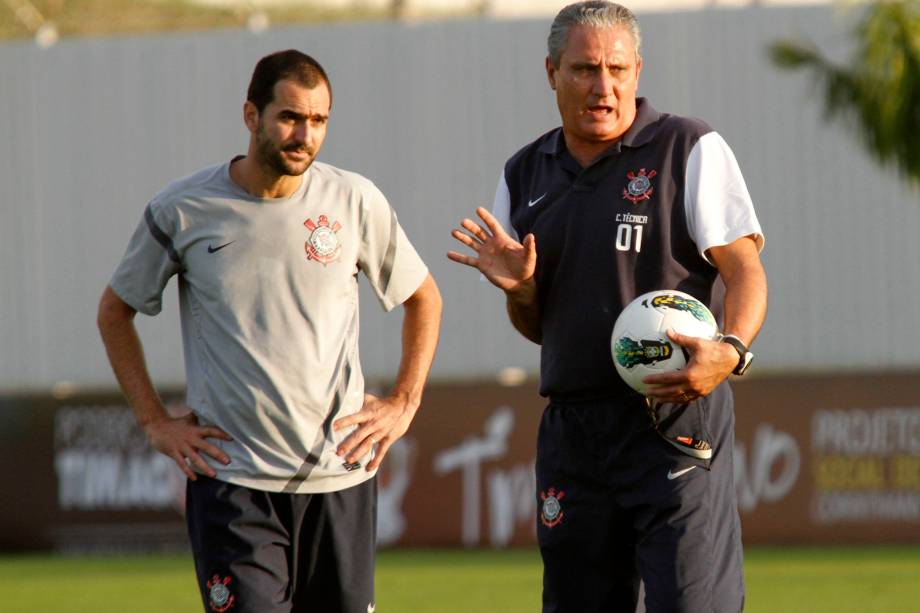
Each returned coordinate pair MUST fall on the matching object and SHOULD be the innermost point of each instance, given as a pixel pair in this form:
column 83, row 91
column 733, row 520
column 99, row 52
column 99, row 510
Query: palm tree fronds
column 878, row 93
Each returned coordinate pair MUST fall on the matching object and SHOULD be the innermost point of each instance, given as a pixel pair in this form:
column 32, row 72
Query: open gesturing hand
column 504, row 261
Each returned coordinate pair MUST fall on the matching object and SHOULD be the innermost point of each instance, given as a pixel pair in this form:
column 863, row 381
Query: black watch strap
column 744, row 356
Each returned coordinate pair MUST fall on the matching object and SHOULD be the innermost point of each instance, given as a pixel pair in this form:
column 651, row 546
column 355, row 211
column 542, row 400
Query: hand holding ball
column 640, row 342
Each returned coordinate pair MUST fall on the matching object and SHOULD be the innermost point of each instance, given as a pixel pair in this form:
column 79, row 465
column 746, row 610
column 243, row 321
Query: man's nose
column 603, row 84
column 302, row 131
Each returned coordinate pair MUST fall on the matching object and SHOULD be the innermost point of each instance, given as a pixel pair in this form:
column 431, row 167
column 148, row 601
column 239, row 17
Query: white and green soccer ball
column 640, row 342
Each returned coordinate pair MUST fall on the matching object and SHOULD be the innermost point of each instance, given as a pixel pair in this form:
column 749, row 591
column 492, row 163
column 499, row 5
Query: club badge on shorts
column 220, row 599
column 323, row 244
column 639, row 187
column 551, row 513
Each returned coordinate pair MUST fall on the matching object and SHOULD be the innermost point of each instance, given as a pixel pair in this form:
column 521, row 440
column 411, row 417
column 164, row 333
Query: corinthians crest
column 323, row 244
column 640, row 186
column 219, row 597
column 551, row 513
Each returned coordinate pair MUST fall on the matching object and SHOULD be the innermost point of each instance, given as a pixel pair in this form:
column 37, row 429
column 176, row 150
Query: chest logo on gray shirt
column 212, row 249
column 639, row 187
column 323, row 244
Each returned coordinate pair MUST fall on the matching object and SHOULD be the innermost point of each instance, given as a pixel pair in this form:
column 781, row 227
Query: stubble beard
column 271, row 157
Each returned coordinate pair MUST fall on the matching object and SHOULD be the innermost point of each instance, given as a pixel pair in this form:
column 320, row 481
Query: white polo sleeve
column 717, row 203
column 501, row 207
column 389, row 261
column 149, row 262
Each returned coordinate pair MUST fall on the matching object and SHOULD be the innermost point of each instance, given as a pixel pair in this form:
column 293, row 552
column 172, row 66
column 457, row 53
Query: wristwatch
column 745, row 357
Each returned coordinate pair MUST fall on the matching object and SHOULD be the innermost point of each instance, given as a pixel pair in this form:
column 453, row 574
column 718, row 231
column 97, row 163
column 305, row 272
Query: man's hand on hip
column 183, row 440
column 381, row 422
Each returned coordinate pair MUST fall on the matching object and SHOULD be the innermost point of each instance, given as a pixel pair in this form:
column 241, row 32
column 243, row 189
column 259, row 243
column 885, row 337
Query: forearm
column 524, row 312
column 126, row 355
column 745, row 301
column 420, row 330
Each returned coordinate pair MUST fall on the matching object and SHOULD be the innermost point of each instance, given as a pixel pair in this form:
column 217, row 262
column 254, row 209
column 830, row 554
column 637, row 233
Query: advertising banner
column 829, row 459
column 816, row 459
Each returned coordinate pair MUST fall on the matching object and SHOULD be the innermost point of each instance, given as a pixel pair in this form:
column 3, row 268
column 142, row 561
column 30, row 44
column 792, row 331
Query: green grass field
column 786, row 580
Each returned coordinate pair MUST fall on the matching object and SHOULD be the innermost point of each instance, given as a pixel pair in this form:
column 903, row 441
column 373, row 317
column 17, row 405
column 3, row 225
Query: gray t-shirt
column 268, row 294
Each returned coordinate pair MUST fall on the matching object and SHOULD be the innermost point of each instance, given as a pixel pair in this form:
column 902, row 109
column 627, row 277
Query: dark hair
column 290, row 64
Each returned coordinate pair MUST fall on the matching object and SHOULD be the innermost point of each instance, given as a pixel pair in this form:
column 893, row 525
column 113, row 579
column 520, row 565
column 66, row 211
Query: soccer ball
column 640, row 342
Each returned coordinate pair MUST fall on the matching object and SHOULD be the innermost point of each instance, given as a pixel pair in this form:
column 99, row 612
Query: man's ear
column 251, row 116
column 550, row 73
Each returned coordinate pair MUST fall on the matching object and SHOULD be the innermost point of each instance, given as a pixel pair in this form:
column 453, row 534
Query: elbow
column 112, row 311
column 427, row 298
column 437, row 302
column 534, row 335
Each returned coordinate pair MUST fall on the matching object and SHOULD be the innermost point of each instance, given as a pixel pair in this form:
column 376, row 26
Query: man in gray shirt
column 267, row 249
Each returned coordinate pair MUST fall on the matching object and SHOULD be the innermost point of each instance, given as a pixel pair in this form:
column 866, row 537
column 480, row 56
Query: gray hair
column 592, row 13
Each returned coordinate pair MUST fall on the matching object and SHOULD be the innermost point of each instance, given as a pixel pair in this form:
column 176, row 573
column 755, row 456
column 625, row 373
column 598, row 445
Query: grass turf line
column 788, row 579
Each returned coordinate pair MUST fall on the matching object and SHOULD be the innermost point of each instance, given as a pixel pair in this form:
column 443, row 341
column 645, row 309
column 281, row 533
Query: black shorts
column 268, row 552
column 617, row 503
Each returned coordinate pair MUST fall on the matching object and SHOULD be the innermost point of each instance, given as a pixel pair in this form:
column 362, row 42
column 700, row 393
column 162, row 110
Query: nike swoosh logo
column 674, row 475
column 533, row 202
column 213, row 249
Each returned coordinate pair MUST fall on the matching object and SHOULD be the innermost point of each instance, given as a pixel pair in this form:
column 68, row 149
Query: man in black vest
column 619, row 201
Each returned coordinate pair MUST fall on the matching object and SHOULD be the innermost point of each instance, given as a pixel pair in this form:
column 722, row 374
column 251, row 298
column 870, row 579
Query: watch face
column 744, row 363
